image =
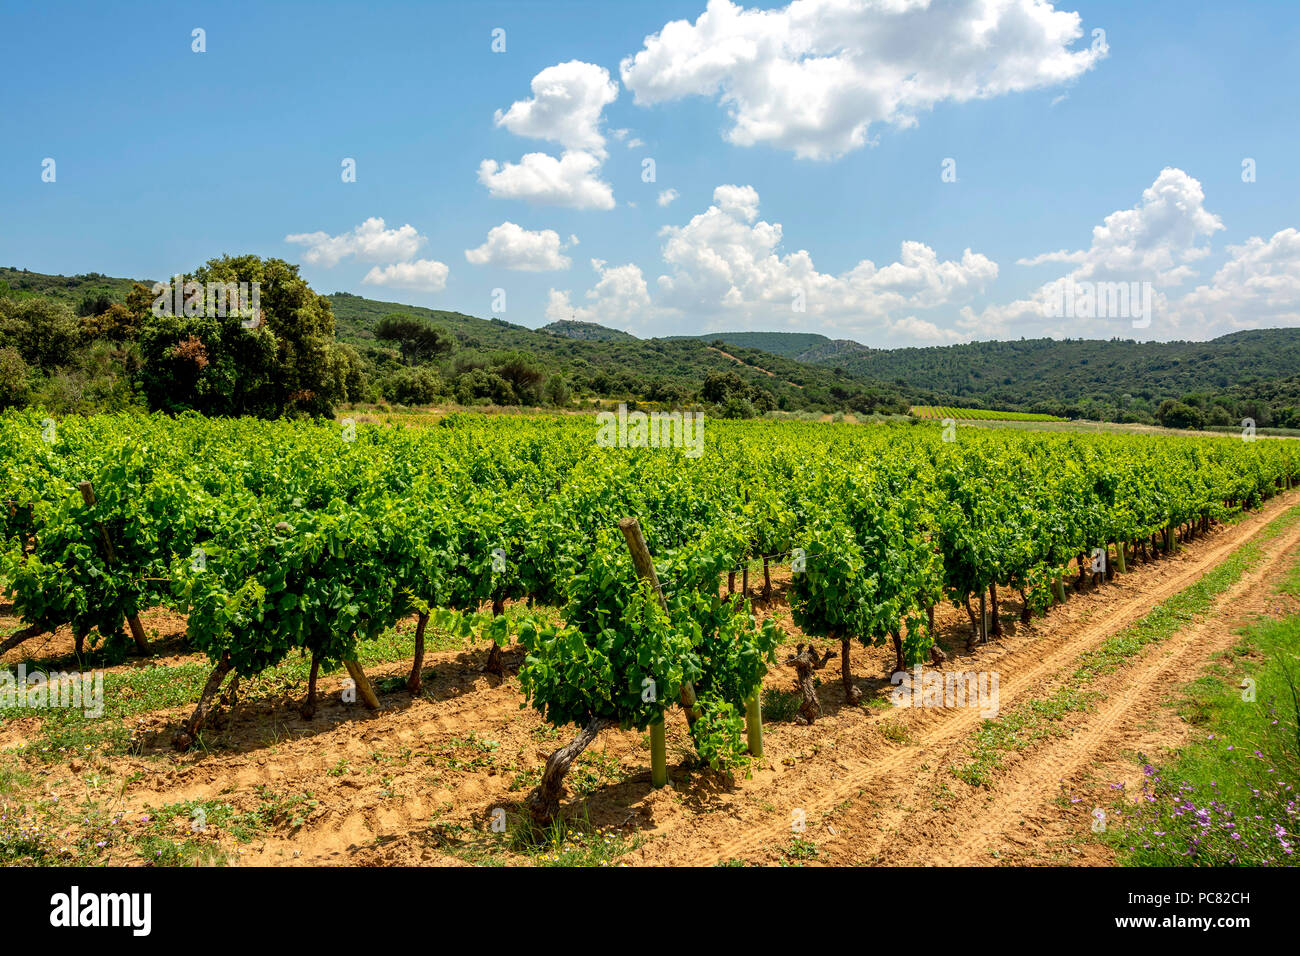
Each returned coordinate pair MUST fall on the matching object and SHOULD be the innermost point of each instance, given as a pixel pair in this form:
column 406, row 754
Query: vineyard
column 631, row 574
column 977, row 414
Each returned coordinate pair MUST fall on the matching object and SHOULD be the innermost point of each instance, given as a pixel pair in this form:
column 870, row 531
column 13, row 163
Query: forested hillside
column 1245, row 373
column 87, row 342
column 90, row 342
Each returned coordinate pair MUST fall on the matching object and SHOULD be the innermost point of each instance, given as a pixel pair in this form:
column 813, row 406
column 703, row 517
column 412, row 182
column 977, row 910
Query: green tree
column 412, row 386
column 13, row 378
column 418, row 341
column 1172, row 414
column 521, row 371
column 282, row 361
column 557, row 390
column 43, row 331
column 94, row 304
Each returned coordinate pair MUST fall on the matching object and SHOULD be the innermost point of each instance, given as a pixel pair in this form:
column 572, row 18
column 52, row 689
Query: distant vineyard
column 978, row 414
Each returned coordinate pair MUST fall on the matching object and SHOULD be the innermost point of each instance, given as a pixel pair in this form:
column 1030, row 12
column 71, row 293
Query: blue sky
column 825, row 122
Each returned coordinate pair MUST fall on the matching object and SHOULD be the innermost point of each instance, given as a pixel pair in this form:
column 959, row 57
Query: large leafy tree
column 44, row 332
column 417, row 340
column 282, row 361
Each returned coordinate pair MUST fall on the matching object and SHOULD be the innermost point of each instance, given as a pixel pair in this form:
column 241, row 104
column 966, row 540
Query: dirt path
column 1015, row 813
column 742, row 362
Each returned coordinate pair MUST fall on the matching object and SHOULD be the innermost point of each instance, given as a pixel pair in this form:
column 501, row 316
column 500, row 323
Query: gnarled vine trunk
column 185, row 736
column 804, row 662
column 13, row 640
column 544, row 802
column 937, row 656
column 495, row 665
column 414, row 683
column 308, row 709
column 899, row 663
column 851, row 693
column 993, row 609
column 974, row 638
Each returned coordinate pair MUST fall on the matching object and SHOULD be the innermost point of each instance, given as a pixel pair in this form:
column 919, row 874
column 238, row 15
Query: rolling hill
column 611, row 362
column 1115, row 380
column 1091, row 377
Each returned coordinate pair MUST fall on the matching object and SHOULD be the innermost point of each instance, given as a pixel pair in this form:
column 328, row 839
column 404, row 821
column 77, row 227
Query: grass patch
column 895, row 731
column 780, row 706
column 1229, row 798
column 563, row 843
column 798, row 850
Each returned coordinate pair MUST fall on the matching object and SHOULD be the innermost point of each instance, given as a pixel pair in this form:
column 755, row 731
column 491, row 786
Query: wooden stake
column 364, row 690
column 645, row 570
column 754, row 723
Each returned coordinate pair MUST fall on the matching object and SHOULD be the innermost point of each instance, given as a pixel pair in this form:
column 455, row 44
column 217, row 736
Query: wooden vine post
column 110, row 555
column 754, row 722
column 645, row 570
column 658, row 755
column 364, row 690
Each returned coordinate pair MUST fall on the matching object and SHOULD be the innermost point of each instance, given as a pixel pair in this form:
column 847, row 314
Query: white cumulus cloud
column 620, row 297
column 566, row 107
column 510, row 246
column 814, row 76
column 1155, row 241
column 423, row 275
column 371, row 241
column 572, row 180
column 725, row 270
column 1257, row 287
column 667, row 196
column 725, row 263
